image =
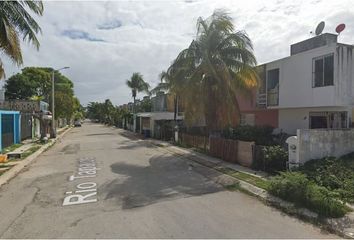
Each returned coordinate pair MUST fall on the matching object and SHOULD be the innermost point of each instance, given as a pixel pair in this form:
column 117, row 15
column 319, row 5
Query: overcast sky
column 105, row 42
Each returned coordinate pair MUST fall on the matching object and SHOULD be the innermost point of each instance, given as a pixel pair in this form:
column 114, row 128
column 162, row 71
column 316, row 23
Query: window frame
column 277, row 69
column 323, row 70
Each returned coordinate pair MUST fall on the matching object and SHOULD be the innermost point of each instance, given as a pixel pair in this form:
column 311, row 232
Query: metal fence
column 26, row 126
column 7, row 126
column 229, row 150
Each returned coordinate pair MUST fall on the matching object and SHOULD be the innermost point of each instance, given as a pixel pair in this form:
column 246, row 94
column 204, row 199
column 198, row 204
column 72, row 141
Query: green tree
column 16, row 21
column 79, row 110
column 31, row 82
column 36, row 82
column 137, row 84
column 144, row 105
column 217, row 66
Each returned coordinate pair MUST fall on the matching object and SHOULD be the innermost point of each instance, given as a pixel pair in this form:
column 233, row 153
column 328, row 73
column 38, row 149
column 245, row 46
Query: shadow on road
column 165, row 178
column 129, row 135
column 70, row 149
column 135, row 144
column 100, row 134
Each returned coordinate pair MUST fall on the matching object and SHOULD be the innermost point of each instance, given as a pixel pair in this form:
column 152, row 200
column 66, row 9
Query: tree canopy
column 218, row 65
column 106, row 112
column 36, row 83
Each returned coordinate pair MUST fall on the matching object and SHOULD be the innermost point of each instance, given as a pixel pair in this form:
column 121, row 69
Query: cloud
column 77, row 34
column 110, row 25
column 145, row 36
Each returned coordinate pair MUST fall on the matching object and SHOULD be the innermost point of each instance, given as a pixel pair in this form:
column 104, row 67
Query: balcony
column 261, row 100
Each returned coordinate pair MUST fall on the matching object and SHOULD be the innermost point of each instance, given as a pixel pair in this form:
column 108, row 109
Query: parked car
column 77, row 123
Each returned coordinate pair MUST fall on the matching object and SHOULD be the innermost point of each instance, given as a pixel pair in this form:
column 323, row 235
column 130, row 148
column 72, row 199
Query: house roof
column 159, row 115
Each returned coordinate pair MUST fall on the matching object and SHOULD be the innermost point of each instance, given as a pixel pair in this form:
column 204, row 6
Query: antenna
column 320, row 28
column 340, row 28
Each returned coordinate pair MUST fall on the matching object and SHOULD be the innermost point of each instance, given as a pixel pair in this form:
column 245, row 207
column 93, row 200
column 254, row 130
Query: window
column 323, row 71
column 273, row 87
column 332, row 120
column 273, row 79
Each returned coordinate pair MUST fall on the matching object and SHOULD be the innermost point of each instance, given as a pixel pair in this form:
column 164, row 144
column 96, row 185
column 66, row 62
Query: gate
column 7, row 126
column 26, row 126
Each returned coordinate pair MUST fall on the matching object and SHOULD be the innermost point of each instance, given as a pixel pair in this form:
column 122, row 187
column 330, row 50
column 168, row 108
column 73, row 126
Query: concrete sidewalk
column 207, row 160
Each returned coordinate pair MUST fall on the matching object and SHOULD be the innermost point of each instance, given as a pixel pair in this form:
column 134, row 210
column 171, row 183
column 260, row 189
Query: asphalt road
column 138, row 191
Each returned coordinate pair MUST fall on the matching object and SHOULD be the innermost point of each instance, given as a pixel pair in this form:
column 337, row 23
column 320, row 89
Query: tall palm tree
column 15, row 21
column 137, row 84
column 217, row 66
column 167, row 84
column 164, row 84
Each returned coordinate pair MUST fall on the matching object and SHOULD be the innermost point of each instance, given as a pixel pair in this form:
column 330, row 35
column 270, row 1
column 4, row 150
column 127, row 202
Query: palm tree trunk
column 176, row 109
column 134, row 105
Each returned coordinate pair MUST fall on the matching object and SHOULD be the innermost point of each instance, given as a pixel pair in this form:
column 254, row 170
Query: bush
column 275, row 158
column 261, row 135
column 289, row 186
column 336, row 174
column 297, row 188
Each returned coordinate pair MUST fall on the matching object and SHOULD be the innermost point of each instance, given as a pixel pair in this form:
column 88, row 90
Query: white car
column 77, row 123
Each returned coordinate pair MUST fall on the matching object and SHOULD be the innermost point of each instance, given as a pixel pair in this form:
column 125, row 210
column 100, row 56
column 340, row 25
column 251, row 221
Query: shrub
column 261, row 135
column 275, row 158
column 289, row 186
column 335, row 174
column 297, row 188
column 324, row 202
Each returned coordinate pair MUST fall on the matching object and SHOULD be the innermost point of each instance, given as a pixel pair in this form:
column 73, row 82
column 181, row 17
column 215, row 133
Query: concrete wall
column 267, row 117
column 298, row 118
column 24, row 105
column 296, row 74
column 245, row 153
column 319, row 143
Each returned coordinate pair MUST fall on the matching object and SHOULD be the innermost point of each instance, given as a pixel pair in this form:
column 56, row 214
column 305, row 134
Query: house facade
column 312, row 88
column 30, row 112
column 159, row 123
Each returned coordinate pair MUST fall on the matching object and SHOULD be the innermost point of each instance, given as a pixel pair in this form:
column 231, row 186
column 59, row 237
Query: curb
column 14, row 171
column 340, row 226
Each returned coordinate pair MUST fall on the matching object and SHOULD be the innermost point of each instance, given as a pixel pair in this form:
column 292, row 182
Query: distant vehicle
column 77, row 123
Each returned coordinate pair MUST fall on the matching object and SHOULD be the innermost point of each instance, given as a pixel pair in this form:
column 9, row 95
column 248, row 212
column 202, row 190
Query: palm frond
column 216, row 67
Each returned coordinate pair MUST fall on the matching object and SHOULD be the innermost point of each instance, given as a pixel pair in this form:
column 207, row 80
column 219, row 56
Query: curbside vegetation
column 297, row 188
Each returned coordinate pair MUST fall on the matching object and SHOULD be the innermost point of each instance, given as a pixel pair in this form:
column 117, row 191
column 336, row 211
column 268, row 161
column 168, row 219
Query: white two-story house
column 313, row 87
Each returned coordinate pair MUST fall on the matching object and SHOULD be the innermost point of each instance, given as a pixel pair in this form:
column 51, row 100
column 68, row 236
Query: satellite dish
column 340, row 28
column 320, row 28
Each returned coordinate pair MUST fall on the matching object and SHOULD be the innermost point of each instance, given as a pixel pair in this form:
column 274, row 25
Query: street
column 128, row 188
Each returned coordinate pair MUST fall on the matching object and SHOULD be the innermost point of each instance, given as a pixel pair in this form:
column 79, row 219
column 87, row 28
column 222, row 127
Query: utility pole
column 54, row 130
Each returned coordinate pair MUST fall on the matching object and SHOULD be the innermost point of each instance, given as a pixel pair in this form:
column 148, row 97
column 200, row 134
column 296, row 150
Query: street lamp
column 54, row 131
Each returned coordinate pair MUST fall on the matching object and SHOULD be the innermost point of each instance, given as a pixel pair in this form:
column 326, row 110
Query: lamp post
column 54, row 132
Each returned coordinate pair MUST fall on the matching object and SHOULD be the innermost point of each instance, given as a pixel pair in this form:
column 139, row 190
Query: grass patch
column 233, row 187
column 256, row 181
column 11, row 148
column 29, row 152
column 5, row 166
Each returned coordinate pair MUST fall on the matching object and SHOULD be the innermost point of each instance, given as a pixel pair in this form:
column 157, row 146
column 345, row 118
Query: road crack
column 21, row 213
